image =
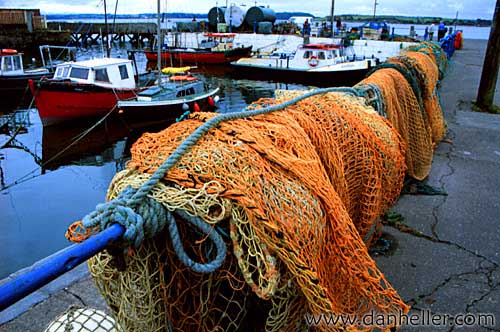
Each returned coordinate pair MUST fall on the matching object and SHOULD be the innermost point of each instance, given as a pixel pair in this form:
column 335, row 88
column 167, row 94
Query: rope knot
column 141, row 218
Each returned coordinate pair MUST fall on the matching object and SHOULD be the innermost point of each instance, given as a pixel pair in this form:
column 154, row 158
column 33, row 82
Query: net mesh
column 83, row 320
column 296, row 195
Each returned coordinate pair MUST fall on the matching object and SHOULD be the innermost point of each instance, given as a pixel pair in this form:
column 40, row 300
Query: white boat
column 175, row 95
column 14, row 78
column 317, row 64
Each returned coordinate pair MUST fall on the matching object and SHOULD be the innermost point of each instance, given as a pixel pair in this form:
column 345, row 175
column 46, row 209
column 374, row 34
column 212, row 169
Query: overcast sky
column 470, row 9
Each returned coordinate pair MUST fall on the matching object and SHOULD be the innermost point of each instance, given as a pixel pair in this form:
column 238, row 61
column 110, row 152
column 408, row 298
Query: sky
column 467, row 9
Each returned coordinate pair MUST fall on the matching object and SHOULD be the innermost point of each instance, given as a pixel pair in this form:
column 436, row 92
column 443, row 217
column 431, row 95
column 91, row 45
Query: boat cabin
column 171, row 90
column 11, row 62
column 311, row 57
column 105, row 72
column 337, row 53
column 219, row 41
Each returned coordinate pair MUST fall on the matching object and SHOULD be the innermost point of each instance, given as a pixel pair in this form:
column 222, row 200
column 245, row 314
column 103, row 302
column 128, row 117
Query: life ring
column 8, row 51
column 313, row 61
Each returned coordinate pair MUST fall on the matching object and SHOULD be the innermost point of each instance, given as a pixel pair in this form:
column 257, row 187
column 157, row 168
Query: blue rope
column 373, row 97
column 143, row 217
column 216, row 238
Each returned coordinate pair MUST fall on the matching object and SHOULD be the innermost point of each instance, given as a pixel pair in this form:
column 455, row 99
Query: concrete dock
column 447, row 250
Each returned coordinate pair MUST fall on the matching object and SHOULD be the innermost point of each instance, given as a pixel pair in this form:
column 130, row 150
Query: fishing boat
column 14, row 78
column 83, row 89
column 175, row 94
column 216, row 48
column 317, row 64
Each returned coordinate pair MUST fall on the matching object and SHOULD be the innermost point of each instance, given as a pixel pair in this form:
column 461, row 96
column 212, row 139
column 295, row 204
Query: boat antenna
column 159, row 42
column 374, row 9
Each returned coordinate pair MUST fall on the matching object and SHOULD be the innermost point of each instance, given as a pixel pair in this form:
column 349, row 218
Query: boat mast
column 106, row 28
column 332, row 9
column 159, row 43
column 374, row 9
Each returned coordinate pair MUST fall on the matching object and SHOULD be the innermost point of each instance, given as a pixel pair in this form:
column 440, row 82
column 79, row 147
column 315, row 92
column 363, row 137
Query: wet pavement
column 447, row 259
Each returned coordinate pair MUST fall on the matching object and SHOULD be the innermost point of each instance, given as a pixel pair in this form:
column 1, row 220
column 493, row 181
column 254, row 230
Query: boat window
column 321, row 55
column 185, row 92
column 59, row 71
column 7, row 63
column 307, row 54
column 17, row 62
column 63, row 71
column 82, row 73
column 123, row 71
column 101, row 75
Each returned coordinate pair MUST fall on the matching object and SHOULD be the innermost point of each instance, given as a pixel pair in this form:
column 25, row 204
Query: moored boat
column 14, row 78
column 316, row 64
column 217, row 48
column 83, row 89
column 173, row 96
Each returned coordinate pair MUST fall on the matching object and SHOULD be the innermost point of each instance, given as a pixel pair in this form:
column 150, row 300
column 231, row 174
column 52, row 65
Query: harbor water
column 53, row 176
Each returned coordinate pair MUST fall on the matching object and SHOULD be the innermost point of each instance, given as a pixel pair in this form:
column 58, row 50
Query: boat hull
column 316, row 78
column 59, row 101
column 14, row 90
column 200, row 55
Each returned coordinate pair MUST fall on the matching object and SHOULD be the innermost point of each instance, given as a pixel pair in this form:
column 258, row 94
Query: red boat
column 83, row 89
column 218, row 48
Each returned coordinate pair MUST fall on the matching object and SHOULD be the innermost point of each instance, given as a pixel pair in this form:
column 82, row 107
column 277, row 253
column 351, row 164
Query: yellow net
column 296, row 195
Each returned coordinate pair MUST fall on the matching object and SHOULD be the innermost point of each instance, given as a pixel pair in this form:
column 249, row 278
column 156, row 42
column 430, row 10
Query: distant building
column 29, row 19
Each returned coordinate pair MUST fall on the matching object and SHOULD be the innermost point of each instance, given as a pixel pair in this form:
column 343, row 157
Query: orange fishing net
column 412, row 107
column 297, row 196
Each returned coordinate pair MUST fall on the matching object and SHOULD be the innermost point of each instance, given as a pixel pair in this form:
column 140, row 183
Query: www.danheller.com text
column 418, row 318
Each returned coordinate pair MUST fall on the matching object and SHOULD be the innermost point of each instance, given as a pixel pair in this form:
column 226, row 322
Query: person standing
column 339, row 25
column 306, row 29
column 431, row 31
column 441, row 30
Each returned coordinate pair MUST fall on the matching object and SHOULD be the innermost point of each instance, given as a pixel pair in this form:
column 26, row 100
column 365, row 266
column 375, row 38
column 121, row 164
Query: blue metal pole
column 56, row 265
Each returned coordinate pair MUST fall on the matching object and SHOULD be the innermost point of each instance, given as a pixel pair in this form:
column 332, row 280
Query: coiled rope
column 143, row 217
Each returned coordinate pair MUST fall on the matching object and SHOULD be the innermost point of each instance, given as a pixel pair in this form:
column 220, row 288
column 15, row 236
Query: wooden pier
column 84, row 34
column 75, row 34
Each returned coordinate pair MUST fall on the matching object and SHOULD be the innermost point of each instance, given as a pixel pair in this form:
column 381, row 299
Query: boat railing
column 65, row 53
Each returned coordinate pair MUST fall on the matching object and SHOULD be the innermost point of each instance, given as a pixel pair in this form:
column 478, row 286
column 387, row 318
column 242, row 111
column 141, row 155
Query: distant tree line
column 285, row 16
column 411, row 20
